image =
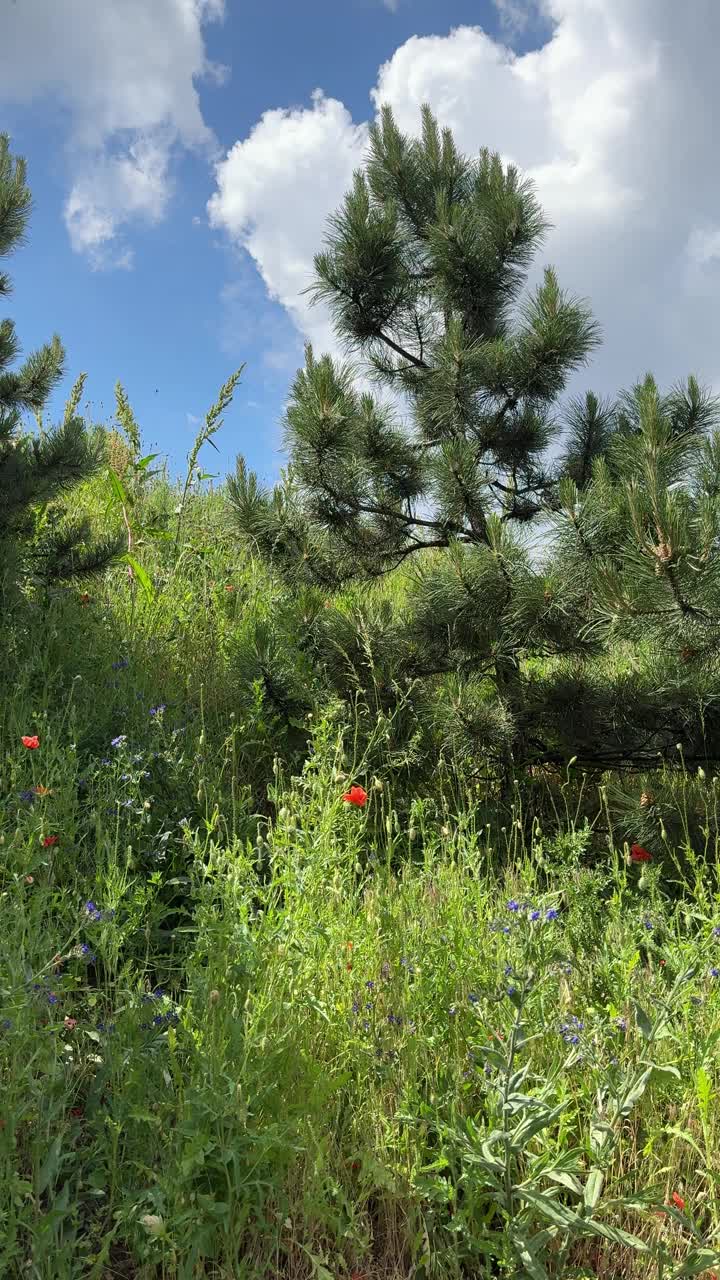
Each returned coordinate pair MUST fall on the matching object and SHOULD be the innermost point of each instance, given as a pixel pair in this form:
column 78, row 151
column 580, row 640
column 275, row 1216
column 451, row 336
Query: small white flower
column 153, row 1224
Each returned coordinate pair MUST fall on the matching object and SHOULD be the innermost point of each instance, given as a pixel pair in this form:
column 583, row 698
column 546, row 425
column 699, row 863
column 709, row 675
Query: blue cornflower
column 452, row 1011
column 92, row 911
column 513, row 905
column 117, row 742
column 27, row 796
column 511, row 991
column 52, row 998
column 157, row 711
column 105, row 760
column 125, row 777
column 508, row 970
column 715, row 973
column 473, row 998
column 534, row 915
column 621, row 1023
column 649, row 925
column 552, row 914
column 716, row 930
column 121, row 664
column 370, row 984
column 355, row 1007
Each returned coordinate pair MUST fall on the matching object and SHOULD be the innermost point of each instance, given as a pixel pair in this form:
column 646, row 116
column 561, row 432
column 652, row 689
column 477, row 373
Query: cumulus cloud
column 275, row 190
column 125, row 72
column 612, row 115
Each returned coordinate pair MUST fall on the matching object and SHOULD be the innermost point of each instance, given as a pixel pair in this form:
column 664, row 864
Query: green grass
column 362, row 1061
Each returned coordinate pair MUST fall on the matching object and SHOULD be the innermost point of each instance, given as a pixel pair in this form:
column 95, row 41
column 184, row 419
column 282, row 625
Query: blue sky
column 191, row 309
column 170, row 300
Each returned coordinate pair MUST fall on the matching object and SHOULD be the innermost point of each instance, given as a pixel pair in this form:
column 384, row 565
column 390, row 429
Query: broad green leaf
column 616, row 1234
column 698, row 1260
column 141, row 575
column 49, row 1166
column 593, row 1188
column 564, row 1179
column 643, row 1021
column 666, row 1069
column 703, row 1090
column 634, row 1093
column 525, row 1252
column 118, row 489
column 549, row 1208
column 534, row 1124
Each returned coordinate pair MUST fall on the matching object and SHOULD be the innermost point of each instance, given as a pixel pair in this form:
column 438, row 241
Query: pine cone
column 646, row 799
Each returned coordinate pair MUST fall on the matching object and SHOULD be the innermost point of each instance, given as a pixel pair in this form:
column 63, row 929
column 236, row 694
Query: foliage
column 234, row 1045
column 423, row 270
column 35, row 470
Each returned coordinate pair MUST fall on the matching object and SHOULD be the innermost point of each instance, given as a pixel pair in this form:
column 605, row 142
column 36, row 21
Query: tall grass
column 248, row 1030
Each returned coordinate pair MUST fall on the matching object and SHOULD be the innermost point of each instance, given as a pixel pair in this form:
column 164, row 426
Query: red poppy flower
column 678, row 1201
column 638, row 854
column 42, row 791
column 49, row 841
column 85, row 598
column 356, row 795
column 70, row 1024
column 31, row 741
column 77, row 1113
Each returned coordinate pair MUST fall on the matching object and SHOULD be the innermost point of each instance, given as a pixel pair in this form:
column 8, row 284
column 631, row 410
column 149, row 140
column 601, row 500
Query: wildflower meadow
column 266, row 1012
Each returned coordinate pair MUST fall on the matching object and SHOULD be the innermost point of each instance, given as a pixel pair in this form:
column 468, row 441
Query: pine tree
column 452, row 469
column 34, row 469
column 641, row 544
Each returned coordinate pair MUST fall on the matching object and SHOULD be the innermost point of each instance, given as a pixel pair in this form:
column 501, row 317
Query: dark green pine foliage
column 451, row 472
column 36, row 468
column 640, row 541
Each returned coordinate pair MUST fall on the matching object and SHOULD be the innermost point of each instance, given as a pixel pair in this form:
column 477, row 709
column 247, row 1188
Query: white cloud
column 125, row 72
column 612, row 116
column 276, row 188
